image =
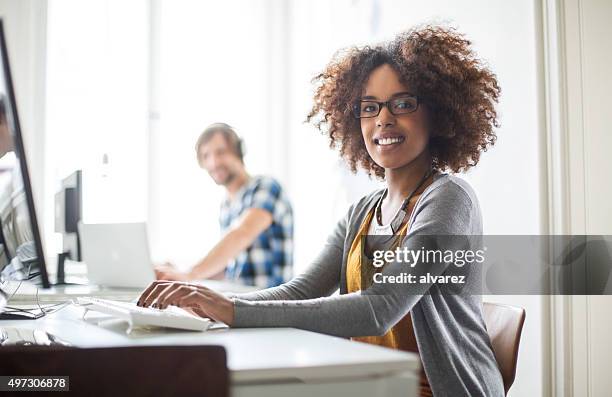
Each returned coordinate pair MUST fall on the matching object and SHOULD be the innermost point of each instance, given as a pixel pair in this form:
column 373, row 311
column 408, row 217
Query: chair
column 125, row 371
column 504, row 326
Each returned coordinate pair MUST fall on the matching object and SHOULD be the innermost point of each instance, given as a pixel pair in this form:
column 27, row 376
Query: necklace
column 398, row 219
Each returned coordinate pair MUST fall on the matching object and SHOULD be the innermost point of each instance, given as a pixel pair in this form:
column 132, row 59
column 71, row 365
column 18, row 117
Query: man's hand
column 199, row 299
column 167, row 271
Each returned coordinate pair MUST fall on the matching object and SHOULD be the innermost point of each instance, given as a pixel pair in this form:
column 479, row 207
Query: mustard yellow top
column 401, row 335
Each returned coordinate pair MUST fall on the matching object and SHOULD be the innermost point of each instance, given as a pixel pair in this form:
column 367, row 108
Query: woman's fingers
column 173, row 294
column 171, row 289
column 147, row 292
column 199, row 299
column 202, row 289
column 177, row 290
column 153, row 291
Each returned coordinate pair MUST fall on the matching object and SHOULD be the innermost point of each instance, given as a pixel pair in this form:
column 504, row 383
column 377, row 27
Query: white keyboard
column 172, row 317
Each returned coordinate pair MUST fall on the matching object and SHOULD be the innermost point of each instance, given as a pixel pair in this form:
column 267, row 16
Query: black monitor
column 21, row 249
column 68, row 213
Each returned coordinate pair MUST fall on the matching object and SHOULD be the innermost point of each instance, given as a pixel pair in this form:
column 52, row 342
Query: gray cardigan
column 452, row 339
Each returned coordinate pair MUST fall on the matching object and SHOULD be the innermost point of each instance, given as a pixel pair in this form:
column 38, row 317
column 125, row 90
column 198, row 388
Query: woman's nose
column 385, row 118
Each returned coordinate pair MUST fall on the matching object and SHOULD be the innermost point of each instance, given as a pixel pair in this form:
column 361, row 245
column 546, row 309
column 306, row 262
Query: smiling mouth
column 389, row 141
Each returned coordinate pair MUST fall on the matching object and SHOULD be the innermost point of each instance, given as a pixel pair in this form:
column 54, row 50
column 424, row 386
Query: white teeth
column 389, row 141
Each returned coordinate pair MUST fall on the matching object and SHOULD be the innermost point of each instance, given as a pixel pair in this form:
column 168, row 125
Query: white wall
column 597, row 63
column 215, row 65
column 97, row 98
column 581, row 120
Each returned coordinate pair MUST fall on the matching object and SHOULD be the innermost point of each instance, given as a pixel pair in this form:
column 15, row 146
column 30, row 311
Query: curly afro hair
column 439, row 66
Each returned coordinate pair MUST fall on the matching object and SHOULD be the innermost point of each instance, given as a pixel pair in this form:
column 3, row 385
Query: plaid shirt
column 269, row 260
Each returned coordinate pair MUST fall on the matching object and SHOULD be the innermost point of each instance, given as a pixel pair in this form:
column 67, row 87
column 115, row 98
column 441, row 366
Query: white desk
column 29, row 293
column 262, row 362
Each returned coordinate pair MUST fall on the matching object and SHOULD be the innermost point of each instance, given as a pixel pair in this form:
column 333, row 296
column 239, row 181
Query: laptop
column 117, row 254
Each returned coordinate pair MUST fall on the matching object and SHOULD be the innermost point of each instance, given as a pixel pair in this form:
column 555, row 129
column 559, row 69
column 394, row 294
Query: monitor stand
column 61, row 269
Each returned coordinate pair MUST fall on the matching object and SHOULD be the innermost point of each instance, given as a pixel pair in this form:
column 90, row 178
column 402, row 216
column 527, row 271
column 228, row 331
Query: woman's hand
column 201, row 300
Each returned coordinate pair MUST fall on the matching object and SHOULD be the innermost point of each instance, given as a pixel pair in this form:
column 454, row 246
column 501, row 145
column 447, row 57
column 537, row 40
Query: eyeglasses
column 401, row 105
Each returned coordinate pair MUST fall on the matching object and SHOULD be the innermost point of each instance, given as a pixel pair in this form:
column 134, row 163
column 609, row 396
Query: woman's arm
column 372, row 312
column 321, row 279
column 450, row 211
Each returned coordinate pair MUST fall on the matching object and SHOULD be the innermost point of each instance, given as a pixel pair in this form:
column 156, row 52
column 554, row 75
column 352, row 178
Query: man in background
column 256, row 219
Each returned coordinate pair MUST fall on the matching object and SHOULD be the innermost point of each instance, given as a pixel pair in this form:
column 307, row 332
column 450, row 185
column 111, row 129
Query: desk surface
column 28, row 293
column 258, row 354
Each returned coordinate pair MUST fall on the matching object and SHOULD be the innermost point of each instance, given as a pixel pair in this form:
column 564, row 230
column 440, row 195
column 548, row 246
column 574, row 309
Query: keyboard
column 136, row 316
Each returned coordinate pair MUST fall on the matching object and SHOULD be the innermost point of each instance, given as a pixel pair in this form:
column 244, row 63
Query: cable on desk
column 43, row 310
column 46, row 309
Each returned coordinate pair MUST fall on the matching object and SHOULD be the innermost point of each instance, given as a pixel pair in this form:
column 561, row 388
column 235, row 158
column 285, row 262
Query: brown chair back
column 125, row 371
column 504, row 326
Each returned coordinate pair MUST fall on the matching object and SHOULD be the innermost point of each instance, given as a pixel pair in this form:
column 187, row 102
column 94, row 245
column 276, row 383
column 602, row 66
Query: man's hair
column 231, row 137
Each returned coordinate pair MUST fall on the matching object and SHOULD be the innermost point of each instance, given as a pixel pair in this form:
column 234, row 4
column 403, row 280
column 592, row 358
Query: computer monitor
column 21, row 251
column 68, row 213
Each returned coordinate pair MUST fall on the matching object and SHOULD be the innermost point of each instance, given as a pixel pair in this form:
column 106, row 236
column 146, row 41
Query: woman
column 404, row 111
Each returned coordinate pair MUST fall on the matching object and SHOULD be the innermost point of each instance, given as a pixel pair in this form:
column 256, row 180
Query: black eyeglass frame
column 356, row 111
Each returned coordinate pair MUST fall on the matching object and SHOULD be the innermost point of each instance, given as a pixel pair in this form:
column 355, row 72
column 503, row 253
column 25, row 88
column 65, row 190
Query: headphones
column 240, row 148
